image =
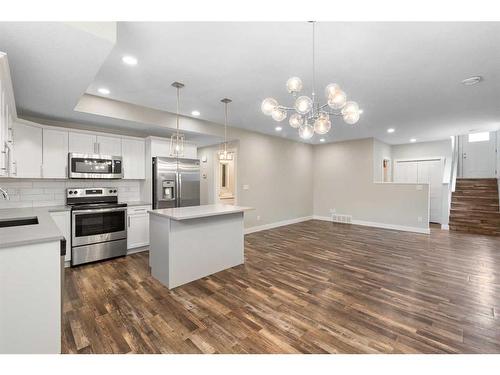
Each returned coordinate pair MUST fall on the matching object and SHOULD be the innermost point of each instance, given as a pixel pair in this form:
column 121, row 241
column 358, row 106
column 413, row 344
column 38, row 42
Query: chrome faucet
column 4, row 193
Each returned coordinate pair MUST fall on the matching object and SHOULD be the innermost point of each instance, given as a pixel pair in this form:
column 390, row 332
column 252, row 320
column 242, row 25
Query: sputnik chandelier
column 309, row 115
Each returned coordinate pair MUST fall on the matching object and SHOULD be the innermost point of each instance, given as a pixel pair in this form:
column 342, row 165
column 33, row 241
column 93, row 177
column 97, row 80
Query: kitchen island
column 188, row 243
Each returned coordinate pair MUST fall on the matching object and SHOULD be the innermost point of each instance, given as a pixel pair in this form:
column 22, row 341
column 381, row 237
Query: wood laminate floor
column 312, row 287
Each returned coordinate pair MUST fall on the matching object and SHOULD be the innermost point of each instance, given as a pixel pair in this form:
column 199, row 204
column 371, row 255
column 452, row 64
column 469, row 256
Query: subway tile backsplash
column 37, row 193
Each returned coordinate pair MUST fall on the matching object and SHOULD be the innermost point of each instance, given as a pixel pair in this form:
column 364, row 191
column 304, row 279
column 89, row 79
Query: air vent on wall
column 339, row 218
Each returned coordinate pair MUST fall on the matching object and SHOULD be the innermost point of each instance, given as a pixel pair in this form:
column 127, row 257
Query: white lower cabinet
column 137, row 226
column 63, row 222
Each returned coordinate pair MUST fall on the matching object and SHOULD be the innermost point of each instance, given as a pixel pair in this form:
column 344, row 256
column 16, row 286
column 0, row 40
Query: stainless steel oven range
column 98, row 224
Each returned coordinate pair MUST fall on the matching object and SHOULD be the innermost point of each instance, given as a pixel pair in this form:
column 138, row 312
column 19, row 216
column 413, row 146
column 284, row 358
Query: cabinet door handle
column 128, row 221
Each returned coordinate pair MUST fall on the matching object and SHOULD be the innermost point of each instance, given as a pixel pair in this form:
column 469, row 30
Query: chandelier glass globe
column 337, row 100
column 303, row 104
column 294, row 85
column 268, row 106
column 331, row 90
column 306, row 131
column 296, row 120
column 322, row 124
column 350, row 107
column 278, row 114
column 351, row 118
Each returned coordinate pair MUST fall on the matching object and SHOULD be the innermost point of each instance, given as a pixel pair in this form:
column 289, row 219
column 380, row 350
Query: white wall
column 381, row 151
column 343, row 180
column 426, row 150
column 34, row 193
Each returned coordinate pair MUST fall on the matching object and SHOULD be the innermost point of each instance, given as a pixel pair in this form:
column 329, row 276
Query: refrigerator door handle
column 179, row 190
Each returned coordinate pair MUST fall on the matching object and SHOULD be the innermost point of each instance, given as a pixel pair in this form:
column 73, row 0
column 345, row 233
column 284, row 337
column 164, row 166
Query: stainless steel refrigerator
column 176, row 182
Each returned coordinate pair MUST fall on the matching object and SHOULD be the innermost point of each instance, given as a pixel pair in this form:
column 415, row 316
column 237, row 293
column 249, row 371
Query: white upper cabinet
column 55, row 153
column 82, row 143
column 7, row 116
column 27, row 150
column 107, row 145
column 133, row 156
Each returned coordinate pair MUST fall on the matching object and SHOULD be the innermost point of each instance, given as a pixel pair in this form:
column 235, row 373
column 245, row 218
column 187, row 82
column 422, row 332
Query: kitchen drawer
column 137, row 210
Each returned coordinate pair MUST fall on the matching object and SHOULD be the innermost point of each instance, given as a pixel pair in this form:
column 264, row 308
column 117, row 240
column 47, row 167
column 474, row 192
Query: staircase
column 474, row 206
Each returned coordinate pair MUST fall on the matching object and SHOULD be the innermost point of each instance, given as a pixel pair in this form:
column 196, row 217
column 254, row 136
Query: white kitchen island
column 188, row 243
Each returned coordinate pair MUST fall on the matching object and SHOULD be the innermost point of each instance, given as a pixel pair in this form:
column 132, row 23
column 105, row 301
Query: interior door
column 189, row 182
column 431, row 172
column 479, row 155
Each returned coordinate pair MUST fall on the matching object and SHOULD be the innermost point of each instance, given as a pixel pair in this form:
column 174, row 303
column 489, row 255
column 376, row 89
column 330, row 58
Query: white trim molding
column 379, row 225
column 277, row 224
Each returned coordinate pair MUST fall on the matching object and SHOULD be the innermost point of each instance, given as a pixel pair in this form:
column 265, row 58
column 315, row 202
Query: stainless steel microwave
column 94, row 166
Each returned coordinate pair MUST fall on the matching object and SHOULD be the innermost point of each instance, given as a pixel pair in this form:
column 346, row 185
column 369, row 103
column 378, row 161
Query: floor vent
column 338, row 218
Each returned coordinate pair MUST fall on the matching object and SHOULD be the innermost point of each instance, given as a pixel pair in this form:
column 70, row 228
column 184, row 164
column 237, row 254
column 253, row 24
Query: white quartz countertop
column 45, row 231
column 195, row 212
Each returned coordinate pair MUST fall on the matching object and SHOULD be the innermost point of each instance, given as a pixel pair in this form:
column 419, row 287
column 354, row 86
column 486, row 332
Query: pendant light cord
column 314, row 57
column 178, row 99
column 225, row 127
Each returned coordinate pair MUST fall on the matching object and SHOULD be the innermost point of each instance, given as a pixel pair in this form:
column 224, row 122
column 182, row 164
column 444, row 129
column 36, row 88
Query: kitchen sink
column 18, row 222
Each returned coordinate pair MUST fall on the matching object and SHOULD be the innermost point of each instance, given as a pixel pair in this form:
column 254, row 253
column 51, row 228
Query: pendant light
column 224, row 154
column 177, row 139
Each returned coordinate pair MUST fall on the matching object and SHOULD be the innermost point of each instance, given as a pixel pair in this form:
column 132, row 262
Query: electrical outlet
column 332, row 210
column 419, row 187
column 419, row 219
column 246, row 187
column 258, row 217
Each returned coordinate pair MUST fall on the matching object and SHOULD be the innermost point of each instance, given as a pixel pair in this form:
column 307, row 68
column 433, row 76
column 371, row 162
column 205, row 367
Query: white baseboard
column 138, row 250
column 380, row 225
column 277, row 224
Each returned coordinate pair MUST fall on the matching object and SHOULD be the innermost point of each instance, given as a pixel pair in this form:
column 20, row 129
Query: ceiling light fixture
column 278, row 128
column 224, row 154
column 472, row 80
column 177, row 139
column 129, row 60
column 391, row 130
column 309, row 115
column 413, row 140
column 195, row 113
column 103, row 91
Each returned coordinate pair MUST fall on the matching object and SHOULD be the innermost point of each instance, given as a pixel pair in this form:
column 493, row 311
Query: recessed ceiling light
column 472, row 80
column 391, row 130
column 129, row 60
column 322, row 140
column 413, row 140
column 103, row 91
column 278, row 128
column 195, row 113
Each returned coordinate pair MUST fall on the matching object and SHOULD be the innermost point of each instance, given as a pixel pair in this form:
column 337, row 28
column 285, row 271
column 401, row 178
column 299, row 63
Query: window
column 479, row 137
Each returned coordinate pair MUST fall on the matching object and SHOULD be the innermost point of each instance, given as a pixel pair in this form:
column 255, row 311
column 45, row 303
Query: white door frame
column 234, row 150
column 461, row 153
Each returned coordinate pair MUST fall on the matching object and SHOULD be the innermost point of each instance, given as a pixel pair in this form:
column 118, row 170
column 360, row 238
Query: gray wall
column 277, row 171
column 343, row 180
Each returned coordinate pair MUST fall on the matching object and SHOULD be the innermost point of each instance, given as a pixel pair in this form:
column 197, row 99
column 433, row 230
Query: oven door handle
column 99, row 210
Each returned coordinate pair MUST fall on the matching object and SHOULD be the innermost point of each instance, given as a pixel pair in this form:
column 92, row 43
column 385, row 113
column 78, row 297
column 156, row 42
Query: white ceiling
column 404, row 75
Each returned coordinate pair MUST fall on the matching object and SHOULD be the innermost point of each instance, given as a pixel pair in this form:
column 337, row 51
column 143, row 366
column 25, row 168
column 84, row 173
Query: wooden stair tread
column 475, row 206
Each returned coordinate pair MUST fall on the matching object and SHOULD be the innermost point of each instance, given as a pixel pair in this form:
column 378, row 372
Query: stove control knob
column 114, row 191
column 110, row 191
column 70, row 192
